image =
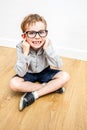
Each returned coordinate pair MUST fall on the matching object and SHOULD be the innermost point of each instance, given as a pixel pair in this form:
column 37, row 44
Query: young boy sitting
column 36, row 62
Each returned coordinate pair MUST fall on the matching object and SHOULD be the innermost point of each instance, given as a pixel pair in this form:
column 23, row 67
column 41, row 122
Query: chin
column 37, row 46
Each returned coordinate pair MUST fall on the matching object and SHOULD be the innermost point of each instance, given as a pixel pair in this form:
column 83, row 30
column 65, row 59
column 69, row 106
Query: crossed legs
column 19, row 85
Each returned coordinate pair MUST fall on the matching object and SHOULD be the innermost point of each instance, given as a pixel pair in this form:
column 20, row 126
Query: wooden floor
column 66, row 111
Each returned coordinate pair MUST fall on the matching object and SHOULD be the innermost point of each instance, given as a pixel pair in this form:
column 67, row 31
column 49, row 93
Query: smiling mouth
column 36, row 42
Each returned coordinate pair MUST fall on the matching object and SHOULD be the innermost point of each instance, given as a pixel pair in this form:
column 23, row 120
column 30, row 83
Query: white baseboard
column 62, row 51
column 8, row 42
column 72, row 53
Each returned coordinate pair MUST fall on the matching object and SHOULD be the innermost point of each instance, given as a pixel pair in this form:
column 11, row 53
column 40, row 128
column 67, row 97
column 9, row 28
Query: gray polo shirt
column 35, row 62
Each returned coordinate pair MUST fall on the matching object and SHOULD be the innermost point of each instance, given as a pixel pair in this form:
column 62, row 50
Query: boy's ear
column 23, row 36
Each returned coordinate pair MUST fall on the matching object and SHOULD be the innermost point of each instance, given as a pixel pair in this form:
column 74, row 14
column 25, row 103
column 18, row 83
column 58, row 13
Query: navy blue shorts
column 41, row 77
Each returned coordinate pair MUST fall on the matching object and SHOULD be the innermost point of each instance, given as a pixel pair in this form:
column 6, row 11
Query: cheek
column 28, row 40
column 44, row 39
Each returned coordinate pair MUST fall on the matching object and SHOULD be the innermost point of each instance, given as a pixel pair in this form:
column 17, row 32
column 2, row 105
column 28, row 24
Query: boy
column 35, row 59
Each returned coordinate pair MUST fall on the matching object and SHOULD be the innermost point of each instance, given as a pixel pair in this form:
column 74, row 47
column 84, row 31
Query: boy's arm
column 21, row 66
column 52, row 58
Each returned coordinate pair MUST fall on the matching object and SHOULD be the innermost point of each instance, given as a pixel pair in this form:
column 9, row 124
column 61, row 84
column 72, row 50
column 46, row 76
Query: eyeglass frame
column 36, row 32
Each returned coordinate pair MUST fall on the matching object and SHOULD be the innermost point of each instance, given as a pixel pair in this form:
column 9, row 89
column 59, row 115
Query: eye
column 42, row 31
column 31, row 32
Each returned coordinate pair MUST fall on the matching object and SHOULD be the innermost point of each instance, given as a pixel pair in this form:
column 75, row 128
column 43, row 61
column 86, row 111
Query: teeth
column 37, row 42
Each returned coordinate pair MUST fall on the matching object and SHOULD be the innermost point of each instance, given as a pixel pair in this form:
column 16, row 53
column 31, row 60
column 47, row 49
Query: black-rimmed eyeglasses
column 32, row 34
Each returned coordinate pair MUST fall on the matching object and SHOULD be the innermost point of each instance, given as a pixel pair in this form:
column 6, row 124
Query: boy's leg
column 58, row 81
column 19, row 85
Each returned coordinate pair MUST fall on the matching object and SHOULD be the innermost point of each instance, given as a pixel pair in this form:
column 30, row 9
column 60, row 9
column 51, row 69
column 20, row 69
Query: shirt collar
column 38, row 52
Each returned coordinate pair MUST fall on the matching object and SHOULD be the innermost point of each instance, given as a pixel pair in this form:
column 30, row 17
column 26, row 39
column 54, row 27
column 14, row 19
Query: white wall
column 67, row 23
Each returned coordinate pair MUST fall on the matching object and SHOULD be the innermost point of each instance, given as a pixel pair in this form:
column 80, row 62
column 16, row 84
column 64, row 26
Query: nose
column 37, row 35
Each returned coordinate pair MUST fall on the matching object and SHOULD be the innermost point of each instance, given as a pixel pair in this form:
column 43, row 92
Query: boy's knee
column 13, row 84
column 66, row 76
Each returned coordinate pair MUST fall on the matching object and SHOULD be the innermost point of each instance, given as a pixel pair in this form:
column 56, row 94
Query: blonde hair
column 31, row 19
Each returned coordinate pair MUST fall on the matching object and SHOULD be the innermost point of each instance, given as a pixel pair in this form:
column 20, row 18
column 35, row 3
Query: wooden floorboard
column 66, row 111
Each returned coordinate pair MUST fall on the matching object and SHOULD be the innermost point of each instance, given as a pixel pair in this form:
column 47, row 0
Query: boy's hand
column 45, row 44
column 25, row 47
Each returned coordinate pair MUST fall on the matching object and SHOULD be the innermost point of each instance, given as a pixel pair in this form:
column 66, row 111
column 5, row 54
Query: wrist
column 26, row 53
